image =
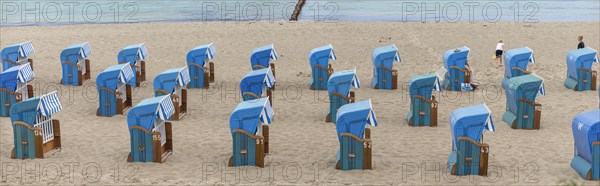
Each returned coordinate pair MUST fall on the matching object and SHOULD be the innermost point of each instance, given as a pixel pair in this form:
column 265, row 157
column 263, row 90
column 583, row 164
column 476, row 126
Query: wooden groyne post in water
column 297, row 10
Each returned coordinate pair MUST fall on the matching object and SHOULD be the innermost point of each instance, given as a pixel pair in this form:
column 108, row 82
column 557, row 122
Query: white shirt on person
column 500, row 46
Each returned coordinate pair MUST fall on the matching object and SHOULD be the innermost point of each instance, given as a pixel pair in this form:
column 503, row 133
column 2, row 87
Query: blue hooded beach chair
column 469, row 154
column 516, row 61
column 384, row 75
column 135, row 55
column 197, row 58
column 586, row 133
column 75, row 64
column 36, row 133
column 151, row 137
column 14, row 87
column 173, row 82
column 458, row 76
column 580, row 76
column 18, row 54
column 258, row 84
column 522, row 110
column 113, row 91
column 261, row 58
column 423, row 106
column 250, row 132
column 321, row 69
column 338, row 88
column 354, row 136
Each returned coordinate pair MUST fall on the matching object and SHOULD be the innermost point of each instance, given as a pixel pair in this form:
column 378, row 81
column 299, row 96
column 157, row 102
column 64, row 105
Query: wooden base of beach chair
column 394, row 79
column 537, row 115
column 270, row 95
column 594, row 80
column 143, row 69
column 88, row 70
column 273, row 70
column 351, row 99
column 30, row 61
column 29, row 91
column 180, row 110
column 160, row 152
column 432, row 112
column 265, row 130
column 206, row 80
column 467, row 154
column 350, row 154
column 42, row 150
column 211, row 67
column 252, row 141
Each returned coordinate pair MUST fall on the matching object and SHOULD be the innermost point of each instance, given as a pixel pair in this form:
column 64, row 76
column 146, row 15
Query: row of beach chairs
column 37, row 133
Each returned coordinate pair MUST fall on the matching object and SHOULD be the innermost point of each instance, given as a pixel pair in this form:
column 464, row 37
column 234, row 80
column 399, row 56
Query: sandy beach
column 303, row 146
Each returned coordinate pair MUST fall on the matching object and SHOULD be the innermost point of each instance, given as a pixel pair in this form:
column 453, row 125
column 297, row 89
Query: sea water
column 49, row 12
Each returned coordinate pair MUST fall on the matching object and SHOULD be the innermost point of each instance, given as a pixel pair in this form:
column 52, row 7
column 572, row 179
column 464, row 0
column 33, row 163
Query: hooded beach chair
column 469, row 154
column 173, row 82
column 14, row 87
column 321, row 69
column 135, row 55
column 18, row 54
column 354, row 136
column 384, row 75
column 113, row 91
column 516, row 61
column 586, row 134
column 423, row 106
column 250, row 132
column 458, row 76
column 338, row 88
column 261, row 58
column 36, row 132
column 258, row 84
column 201, row 76
column 151, row 137
column 580, row 76
column 75, row 64
column 522, row 110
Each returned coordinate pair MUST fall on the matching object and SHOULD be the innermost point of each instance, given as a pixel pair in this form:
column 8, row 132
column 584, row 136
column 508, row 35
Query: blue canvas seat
column 258, row 84
column 151, row 137
column 354, row 136
column 14, row 87
column 423, row 106
column 261, row 58
column 113, row 91
column 458, row 74
column 250, row 132
column 173, row 82
column 469, row 154
column 36, row 133
column 384, row 75
column 338, row 88
column 17, row 54
column 319, row 64
column 522, row 109
column 75, row 64
column 580, row 76
column 516, row 61
column 586, row 134
column 197, row 59
column 135, row 55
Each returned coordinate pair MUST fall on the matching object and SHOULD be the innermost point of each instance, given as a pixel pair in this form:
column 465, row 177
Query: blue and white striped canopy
column 49, row 104
column 355, row 81
column 489, row 123
column 126, row 73
column 184, row 76
column 86, row 50
column 211, row 51
column 267, row 48
column 354, row 117
column 532, row 59
column 23, row 72
column 26, row 49
column 542, row 89
column 165, row 108
column 438, row 84
column 266, row 116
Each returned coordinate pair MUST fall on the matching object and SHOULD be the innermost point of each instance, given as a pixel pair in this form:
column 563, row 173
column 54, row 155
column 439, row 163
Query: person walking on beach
column 499, row 52
column 581, row 44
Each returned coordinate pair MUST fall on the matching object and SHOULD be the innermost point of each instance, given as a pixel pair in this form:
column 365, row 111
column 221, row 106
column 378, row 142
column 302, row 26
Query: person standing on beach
column 499, row 52
column 581, row 44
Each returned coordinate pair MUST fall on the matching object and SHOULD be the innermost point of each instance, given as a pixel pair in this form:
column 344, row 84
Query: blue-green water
column 46, row 12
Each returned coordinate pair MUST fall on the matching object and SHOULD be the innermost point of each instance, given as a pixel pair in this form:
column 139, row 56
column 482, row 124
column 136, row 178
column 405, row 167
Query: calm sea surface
column 46, row 12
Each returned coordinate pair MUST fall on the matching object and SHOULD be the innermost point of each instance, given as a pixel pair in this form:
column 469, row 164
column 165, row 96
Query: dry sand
column 303, row 146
